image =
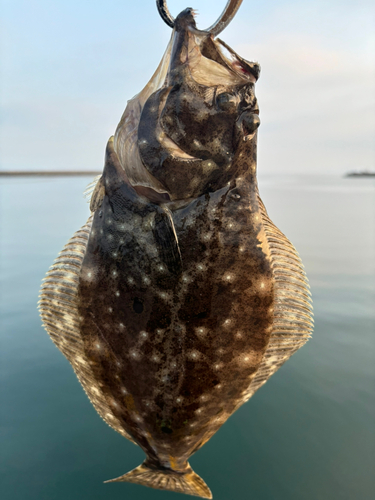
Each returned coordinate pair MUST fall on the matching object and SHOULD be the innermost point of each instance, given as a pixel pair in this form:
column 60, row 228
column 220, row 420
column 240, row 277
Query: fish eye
column 227, row 101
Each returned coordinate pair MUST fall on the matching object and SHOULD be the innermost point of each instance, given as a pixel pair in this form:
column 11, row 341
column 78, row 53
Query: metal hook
column 227, row 15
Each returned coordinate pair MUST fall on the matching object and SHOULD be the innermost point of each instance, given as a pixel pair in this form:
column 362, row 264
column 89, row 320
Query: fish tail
column 187, row 482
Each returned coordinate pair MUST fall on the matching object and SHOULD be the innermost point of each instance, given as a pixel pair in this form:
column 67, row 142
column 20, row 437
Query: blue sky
column 68, row 68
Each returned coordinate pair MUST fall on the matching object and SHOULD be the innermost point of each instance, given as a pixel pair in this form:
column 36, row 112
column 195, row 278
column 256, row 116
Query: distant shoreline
column 360, row 174
column 54, row 173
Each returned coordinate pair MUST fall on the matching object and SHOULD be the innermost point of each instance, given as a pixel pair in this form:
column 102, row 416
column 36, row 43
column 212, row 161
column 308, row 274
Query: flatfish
column 179, row 297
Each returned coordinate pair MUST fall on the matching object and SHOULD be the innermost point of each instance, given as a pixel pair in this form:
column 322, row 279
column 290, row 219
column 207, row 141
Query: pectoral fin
column 167, row 242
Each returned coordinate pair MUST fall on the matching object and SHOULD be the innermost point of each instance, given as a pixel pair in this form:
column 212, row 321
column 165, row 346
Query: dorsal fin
column 293, row 323
column 59, row 313
column 87, row 193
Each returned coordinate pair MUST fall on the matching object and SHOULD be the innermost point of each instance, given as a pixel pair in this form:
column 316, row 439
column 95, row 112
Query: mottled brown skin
column 207, row 123
column 176, row 299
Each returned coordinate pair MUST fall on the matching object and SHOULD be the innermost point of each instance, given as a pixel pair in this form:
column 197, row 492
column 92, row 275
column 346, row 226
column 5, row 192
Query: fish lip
column 252, row 68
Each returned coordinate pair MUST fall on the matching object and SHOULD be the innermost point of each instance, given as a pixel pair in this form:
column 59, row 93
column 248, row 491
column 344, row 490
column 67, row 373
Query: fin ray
column 187, row 482
column 59, row 313
column 293, row 317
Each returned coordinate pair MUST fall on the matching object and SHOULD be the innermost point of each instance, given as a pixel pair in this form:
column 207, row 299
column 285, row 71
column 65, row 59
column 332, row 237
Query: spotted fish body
column 179, row 298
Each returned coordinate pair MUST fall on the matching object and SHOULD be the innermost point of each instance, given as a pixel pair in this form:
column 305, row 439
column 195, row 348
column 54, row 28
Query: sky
column 69, row 67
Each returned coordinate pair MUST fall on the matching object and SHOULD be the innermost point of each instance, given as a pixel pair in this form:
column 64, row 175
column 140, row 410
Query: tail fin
column 187, row 482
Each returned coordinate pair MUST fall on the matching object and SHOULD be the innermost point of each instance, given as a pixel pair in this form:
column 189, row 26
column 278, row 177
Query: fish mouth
column 212, row 62
column 249, row 71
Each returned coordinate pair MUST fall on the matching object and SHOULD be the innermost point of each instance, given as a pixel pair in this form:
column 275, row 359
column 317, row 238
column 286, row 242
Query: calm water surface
column 308, row 434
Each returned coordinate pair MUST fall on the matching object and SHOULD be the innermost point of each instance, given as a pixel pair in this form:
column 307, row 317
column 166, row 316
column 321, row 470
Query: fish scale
column 179, row 298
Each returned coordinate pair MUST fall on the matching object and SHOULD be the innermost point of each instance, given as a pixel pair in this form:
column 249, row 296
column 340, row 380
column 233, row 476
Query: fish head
column 192, row 125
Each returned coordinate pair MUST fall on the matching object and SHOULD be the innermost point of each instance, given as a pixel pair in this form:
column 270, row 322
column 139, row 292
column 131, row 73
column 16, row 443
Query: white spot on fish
column 194, row 355
column 227, row 322
column 201, row 332
column 121, row 326
column 117, row 294
column 114, row 273
column 144, row 334
column 130, row 280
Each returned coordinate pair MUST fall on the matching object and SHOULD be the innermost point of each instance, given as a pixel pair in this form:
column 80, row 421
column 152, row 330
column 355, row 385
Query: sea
column 307, row 434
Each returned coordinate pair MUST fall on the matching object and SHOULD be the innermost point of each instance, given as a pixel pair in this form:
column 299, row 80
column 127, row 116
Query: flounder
column 179, row 298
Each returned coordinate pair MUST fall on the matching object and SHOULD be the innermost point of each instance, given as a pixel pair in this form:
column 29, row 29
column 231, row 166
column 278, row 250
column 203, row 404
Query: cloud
column 64, row 88
column 317, row 106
